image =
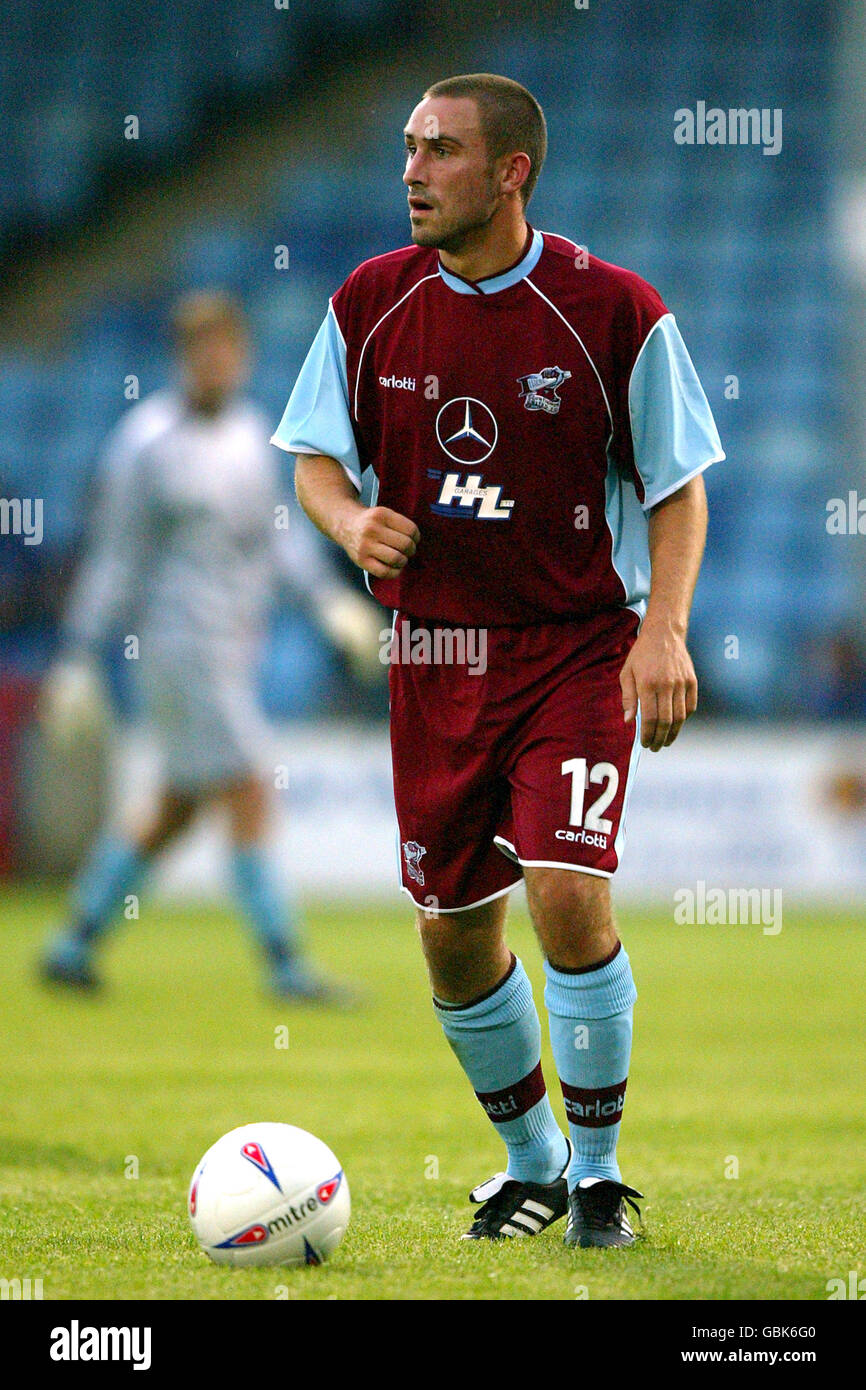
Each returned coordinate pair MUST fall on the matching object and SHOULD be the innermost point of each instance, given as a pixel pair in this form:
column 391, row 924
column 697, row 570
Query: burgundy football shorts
column 517, row 755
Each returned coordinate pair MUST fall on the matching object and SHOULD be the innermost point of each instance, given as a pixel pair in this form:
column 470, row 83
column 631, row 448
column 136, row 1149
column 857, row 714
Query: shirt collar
column 491, row 284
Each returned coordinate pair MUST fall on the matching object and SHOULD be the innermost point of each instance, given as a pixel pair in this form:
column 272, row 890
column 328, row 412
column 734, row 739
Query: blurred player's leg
column 590, row 997
column 268, row 910
column 113, row 870
column 483, row 999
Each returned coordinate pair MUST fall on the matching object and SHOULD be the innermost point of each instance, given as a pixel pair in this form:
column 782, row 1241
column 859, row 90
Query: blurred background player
column 186, row 550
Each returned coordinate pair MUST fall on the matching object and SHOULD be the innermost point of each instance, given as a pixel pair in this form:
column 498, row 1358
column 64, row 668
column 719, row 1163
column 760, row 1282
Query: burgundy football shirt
column 526, row 423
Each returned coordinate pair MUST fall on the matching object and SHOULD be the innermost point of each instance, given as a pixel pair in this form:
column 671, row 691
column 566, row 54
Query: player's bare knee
column 572, row 915
column 438, row 935
column 560, row 895
column 465, row 952
column 247, row 803
column 175, row 813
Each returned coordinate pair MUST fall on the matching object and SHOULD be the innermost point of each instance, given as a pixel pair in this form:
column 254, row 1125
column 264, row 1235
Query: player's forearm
column 326, row 494
column 99, row 597
column 375, row 539
column 677, row 533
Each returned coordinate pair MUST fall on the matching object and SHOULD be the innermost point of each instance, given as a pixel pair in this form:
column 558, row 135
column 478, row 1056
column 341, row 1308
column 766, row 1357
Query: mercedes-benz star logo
column 469, row 426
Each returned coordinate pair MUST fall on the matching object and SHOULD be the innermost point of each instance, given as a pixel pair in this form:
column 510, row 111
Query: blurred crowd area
column 262, row 125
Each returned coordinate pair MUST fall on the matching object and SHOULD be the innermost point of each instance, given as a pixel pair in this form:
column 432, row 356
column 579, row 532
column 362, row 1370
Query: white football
column 269, row 1194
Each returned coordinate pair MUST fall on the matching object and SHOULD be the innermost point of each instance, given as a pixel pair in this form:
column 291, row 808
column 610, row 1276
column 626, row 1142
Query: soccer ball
column 269, row 1194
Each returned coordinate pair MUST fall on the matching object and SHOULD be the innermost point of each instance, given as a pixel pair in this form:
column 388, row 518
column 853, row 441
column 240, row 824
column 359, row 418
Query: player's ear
column 515, row 172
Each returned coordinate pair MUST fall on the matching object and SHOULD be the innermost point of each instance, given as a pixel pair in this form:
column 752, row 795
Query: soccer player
column 187, row 548
column 538, row 434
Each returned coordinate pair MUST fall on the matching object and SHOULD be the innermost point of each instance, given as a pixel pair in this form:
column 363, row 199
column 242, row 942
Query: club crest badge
column 539, row 390
column 413, row 853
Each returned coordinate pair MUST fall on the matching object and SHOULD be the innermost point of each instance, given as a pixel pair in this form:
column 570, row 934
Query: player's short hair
column 203, row 310
column 511, row 118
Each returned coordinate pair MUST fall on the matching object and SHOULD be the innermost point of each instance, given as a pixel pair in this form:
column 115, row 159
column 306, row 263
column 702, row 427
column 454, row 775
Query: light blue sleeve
column 673, row 431
column 316, row 419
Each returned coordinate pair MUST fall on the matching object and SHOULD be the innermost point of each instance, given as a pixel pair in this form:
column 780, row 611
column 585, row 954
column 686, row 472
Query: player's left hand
column 658, row 676
column 73, row 704
column 354, row 624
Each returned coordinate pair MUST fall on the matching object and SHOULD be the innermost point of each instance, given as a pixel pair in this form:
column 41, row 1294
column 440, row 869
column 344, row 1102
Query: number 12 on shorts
column 592, row 818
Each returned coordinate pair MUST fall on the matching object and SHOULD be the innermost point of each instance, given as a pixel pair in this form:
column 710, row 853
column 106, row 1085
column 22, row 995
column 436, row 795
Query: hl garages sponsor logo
column 470, row 498
column 77, row 1343
column 594, row 1108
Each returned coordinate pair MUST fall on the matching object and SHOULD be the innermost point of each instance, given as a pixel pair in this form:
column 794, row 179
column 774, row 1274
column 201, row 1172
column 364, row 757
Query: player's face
column 451, row 180
column 215, row 365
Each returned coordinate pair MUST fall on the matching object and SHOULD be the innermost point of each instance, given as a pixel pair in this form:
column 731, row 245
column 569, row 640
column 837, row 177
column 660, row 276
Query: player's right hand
column 381, row 541
column 72, row 702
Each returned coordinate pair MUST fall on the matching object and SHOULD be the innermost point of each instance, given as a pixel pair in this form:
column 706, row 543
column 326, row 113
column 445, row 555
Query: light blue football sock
column 271, row 916
column 497, row 1040
column 112, row 871
column 590, row 1014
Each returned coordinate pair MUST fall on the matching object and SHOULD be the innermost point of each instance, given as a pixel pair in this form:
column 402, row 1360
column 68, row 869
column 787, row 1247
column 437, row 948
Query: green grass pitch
column 747, row 1061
